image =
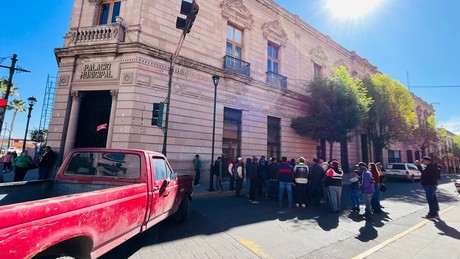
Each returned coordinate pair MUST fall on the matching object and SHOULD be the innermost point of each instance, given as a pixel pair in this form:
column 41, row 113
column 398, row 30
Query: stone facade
column 129, row 60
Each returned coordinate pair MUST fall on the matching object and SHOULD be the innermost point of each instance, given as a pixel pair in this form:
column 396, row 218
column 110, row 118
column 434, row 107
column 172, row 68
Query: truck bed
column 19, row 192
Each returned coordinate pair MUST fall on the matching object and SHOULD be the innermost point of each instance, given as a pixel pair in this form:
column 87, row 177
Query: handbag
column 383, row 188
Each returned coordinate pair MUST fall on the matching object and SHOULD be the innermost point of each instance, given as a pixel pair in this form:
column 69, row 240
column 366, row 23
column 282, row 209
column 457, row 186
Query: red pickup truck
column 98, row 199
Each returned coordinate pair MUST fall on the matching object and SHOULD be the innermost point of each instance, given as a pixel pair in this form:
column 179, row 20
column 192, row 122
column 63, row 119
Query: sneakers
column 304, row 206
column 297, row 205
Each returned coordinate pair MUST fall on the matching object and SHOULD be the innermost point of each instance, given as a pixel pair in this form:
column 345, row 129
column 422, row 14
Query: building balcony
column 237, row 66
column 110, row 33
column 277, row 80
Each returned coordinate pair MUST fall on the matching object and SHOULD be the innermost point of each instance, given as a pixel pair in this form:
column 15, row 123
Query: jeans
column 232, row 183
column 239, row 185
column 20, row 173
column 367, row 202
column 335, row 196
column 288, row 187
column 314, row 193
column 267, row 188
column 430, row 193
column 197, row 176
column 376, row 198
column 218, row 183
column 301, row 193
column 44, row 172
column 273, row 189
column 355, row 197
column 252, row 188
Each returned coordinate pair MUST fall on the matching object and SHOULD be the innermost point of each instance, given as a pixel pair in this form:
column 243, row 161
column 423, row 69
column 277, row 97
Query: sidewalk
column 426, row 239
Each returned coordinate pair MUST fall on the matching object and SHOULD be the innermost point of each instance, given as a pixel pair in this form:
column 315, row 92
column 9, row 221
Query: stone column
column 73, row 121
column 114, row 94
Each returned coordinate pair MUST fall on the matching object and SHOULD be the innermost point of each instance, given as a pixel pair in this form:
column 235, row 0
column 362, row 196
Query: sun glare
column 351, row 9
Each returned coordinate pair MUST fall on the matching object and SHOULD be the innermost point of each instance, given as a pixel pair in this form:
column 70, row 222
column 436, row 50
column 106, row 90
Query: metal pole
column 168, row 97
column 211, row 175
column 27, row 128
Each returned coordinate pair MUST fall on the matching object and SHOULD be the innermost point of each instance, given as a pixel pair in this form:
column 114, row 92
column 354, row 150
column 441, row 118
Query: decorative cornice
column 318, row 56
column 95, row 2
column 273, row 31
column 235, row 11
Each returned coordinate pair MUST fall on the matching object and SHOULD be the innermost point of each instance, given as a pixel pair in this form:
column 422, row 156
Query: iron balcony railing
column 237, row 65
column 276, row 79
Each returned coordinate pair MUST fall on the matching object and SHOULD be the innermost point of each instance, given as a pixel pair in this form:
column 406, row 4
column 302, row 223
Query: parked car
column 405, row 171
column 98, row 199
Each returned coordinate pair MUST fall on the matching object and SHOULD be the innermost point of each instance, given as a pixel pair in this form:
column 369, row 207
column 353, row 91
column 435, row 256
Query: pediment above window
column 235, row 11
column 318, row 56
column 273, row 32
column 340, row 63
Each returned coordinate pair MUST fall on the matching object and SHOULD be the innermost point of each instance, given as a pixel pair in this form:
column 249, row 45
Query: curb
column 211, row 194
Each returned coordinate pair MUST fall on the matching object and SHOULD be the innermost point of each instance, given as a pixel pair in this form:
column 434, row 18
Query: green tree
column 17, row 106
column 38, row 135
column 14, row 90
column 425, row 135
column 337, row 105
column 391, row 116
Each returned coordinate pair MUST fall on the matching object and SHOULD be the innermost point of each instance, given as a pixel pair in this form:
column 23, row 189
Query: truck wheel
column 182, row 212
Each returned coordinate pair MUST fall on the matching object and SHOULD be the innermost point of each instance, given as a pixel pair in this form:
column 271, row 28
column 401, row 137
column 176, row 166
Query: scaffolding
column 48, row 104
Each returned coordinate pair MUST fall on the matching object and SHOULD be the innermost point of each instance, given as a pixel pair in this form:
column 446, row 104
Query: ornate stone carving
column 273, row 31
column 236, row 12
column 76, row 96
column 64, row 80
column 318, row 56
column 114, row 94
column 340, row 63
column 127, row 78
column 95, row 2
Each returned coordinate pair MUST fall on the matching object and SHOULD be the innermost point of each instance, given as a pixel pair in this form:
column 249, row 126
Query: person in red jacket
column 376, row 197
column 285, row 177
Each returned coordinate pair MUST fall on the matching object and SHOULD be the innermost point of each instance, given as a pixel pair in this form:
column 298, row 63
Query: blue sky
column 418, row 37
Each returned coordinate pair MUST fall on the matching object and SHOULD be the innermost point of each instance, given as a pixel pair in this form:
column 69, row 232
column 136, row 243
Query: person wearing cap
column 430, row 177
column 252, row 175
column 46, row 163
column 301, row 183
column 285, row 178
column 239, row 176
column 366, row 183
column 333, row 184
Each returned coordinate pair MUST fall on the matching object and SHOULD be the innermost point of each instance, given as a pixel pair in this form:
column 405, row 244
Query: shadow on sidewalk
column 367, row 233
column 446, row 229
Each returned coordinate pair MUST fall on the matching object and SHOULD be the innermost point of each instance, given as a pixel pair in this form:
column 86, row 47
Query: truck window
column 159, row 168
column 118, row 165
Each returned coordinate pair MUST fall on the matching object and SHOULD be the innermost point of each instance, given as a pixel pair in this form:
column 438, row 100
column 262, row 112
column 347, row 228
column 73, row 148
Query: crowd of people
column 303, row 185
column 21, row 164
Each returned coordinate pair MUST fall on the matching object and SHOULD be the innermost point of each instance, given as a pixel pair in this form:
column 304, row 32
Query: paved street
column 221, row 226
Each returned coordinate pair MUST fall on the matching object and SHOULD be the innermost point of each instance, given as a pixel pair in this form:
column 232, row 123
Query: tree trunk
column 378, row 152
column 13, row 120
column 331, row 145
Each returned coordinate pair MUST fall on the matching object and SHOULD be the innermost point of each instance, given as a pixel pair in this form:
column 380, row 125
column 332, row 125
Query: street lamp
column 31, row 101
column 215, row 80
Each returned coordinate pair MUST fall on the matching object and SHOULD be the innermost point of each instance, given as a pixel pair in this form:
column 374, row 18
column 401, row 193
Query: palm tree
column 18, row 106
column 4, row 84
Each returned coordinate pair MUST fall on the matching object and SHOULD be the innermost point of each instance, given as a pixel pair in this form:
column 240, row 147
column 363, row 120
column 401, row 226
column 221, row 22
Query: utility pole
column 12, row 69
column 191, row 11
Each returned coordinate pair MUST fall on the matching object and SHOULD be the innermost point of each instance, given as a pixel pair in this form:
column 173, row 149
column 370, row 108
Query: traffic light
column 157, row 114
column 3, row 104
column 190, row 10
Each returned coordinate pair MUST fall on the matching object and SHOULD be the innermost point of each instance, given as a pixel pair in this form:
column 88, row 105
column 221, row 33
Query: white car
column 406, row 171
